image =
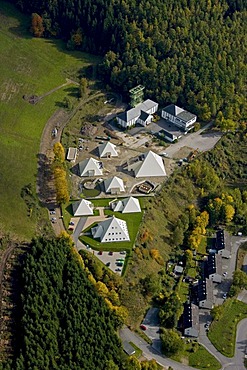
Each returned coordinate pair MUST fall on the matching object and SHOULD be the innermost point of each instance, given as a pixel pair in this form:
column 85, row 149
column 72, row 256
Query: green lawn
column 197, row 356
column 27, row 66
column 133, row 221
column 222, row 333
column 202, row 359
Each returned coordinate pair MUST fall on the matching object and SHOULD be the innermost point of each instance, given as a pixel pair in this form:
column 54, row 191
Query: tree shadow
column 45, row 189
column 59, row 104
column 72, row 91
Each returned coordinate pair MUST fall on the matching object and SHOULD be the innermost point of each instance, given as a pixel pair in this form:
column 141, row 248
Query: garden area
column 133, row 221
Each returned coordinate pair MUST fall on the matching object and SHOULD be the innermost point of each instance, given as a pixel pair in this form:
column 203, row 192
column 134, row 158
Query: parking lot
column 113, row 260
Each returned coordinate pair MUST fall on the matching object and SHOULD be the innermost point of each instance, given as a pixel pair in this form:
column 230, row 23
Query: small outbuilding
column 114, row 185
column 107, row 150
column 90, row 167
column 72, row 154
column 128, row 348
column 83, row 208
column 126, row 205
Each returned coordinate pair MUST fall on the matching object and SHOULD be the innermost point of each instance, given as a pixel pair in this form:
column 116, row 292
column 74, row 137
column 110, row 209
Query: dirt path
column 45, row 183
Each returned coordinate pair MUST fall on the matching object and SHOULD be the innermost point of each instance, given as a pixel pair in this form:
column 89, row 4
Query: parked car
column 108, row 264
column 224, row 274
column 53, row 219
column 143, row 327
column 52, row 212
column 72, row 223
column 206, row 326
column 224, row 296
column 110, row 253
column 118, row 269
column 100, row 253
column 123, row 252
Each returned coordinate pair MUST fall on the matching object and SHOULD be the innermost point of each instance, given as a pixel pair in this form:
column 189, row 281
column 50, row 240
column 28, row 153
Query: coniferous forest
column 65, row 324
column 189, row 52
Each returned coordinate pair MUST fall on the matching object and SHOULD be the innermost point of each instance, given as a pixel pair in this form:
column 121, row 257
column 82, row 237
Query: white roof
column 82, row 208
column 72, row 153
column 127, row 205
column 151, row 166
column 90, row 167
column 114, row 183
column 107, row 149
column 111, row 230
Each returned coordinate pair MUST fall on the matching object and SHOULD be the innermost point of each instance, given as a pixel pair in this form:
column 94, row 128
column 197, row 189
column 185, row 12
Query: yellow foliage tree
column 229, row 212
column 58, row 151
column 102, row 289
column 61, row 185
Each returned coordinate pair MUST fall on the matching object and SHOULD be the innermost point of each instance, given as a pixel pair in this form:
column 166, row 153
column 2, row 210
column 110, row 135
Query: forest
column 64, row 323
column 186, row 52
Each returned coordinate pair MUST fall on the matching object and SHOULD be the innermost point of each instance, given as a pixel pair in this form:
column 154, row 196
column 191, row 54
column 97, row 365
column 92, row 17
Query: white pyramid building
column 149, row 164
column 83, row 208
column 111, row 230
column 127, row 205
column 90, row 167
column 114, row 185
column 107, row 150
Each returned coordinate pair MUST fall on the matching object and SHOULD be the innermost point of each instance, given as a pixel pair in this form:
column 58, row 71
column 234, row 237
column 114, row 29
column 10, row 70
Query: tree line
column 186, row 52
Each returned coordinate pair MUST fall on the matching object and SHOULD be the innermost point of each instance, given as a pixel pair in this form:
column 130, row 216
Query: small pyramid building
column 127, row 205
column 111, row 230
column 107, row 150
column 114, row 185
column 82, row 208
column 148, row 164
column 90, row 167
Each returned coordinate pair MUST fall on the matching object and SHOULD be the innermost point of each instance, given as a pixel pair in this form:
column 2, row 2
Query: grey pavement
column 149, row 352
column 152, row 323
column 196, row 140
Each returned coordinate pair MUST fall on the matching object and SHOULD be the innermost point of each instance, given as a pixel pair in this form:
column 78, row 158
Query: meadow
column 28, row 66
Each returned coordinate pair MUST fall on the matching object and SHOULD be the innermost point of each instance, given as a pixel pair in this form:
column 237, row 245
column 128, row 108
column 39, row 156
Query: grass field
column 27, row 66
column 197, row 356
column 222, row 333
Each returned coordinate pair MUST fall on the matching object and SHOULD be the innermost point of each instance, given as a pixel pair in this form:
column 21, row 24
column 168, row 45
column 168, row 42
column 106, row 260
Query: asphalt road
column 149, row 352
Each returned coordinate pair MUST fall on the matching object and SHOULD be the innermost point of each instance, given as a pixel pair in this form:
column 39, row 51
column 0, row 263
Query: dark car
column 100, row 253
column 143, row 327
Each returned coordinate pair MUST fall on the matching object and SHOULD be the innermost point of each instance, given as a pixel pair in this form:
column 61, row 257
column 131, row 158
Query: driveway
column 152, row 323
column 200, row 140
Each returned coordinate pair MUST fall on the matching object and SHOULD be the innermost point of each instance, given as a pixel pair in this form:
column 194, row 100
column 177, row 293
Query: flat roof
column 71, row 155
column 167, row 126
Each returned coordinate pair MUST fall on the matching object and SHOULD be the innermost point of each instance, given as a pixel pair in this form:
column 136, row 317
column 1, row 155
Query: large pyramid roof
column 83, row 208
column 111, row 230
column 151, row 166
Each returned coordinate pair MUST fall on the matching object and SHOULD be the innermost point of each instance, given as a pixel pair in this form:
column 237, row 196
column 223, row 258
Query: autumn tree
column 61, row 185
column 59, row 153
column 37, row 27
